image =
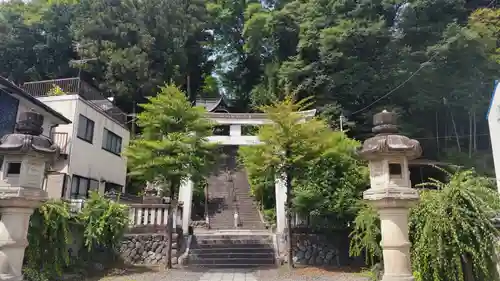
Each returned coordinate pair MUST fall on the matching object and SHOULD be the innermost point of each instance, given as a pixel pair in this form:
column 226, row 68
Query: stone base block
column 398, row 278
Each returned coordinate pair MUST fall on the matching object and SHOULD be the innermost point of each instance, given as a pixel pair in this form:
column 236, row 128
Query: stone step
column 233, row 266
column 228, row 246
column 234, row 241
column 232, row 250
column 234, row 261
column 233, row 255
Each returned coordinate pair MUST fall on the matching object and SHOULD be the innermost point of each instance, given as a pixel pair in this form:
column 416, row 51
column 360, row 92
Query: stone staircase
column 225, row 246
column 228, row 250
column 247, row 209
column 228, row 191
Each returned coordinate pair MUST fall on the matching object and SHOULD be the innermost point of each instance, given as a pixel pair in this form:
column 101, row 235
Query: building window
column 112, row 142
column 93, row 186
column 85, row 129
column 81, row 187
column 109, row 187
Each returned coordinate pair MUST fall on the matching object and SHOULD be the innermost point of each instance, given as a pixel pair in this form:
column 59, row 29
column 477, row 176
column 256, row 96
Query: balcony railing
column 61, row 139
column 76, row 86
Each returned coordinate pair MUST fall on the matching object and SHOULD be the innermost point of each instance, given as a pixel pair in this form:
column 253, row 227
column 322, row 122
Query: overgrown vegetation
column 322, row 176
column 451, row 230
column 56, row 91
column 47, row 256
column 344, row 54
column 104, row 222
column 48, row 235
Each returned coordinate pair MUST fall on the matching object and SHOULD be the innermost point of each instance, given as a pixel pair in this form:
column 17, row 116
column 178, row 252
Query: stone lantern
column 391, row 193
column 25, row 156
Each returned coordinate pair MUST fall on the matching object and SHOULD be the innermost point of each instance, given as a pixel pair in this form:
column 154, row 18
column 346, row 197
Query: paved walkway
column 234, row 275
column 225, row 276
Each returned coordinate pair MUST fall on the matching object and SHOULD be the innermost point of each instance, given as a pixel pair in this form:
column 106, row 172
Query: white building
column 14, row 100
column 91, row 144
column 493, row 117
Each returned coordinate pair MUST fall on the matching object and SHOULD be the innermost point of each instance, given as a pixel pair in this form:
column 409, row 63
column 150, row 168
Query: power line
column 409, row 78
column 452, row 137
column 399, row 86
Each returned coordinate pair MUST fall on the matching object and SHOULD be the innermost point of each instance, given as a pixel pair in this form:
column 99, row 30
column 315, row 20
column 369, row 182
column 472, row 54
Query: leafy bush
column 56, row 91
column 104, row 222
column 449, row 228
column 325, row 189
column 270, row 216
column 48, row 235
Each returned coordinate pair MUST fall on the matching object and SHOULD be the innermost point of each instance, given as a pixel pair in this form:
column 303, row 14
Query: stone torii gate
column 236, row 121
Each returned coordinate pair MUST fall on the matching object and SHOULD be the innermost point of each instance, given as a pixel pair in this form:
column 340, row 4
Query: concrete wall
column 67, row 106
column 90, row 159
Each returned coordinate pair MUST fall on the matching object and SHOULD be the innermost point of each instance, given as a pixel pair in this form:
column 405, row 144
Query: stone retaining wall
column 150, row 249
column 312, row 249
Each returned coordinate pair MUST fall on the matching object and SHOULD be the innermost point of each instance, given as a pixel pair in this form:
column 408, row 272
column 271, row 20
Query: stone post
column 186, row 197
column 391, row 193
column 26, row 154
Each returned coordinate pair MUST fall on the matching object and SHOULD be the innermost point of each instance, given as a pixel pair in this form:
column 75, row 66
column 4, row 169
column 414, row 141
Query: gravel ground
column 282, row 274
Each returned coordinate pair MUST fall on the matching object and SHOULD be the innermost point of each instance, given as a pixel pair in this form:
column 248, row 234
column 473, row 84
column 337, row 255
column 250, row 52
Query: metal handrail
column 234, row 199
column 76, row 86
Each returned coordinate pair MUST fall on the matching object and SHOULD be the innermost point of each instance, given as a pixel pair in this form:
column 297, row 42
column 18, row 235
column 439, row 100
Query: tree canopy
column 172, row 146
column 322, row 177
column 428, row 60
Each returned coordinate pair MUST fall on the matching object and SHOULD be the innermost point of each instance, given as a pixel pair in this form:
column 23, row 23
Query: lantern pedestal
column 25, row 156
column 393, row 209
column 391, row 193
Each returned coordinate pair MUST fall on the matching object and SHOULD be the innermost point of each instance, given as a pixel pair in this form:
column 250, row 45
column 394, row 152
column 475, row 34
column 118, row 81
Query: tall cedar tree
column 173, row 146
column 290, row 144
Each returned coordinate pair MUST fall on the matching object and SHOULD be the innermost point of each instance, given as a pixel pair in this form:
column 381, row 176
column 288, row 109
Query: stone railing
column 75, row 205
column 144, row 218
column 152, row 218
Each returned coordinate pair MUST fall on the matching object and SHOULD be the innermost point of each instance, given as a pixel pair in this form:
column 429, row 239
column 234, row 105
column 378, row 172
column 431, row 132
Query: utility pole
column 188, row 88
column 133, row 118
column 80, row 62
column 342, row 119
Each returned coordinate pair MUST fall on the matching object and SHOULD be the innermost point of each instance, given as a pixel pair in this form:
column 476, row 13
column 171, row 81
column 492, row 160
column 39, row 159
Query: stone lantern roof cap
column 387, row 141
column 27, row 136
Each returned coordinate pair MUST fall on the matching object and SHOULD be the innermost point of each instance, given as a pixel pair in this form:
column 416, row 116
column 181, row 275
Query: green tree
column 238, row 70
column 139, row 45
column 357, row 58
column 450, row 228
column 290, row 143
column 35, row 40
column 172, row 147
column 329, row 188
